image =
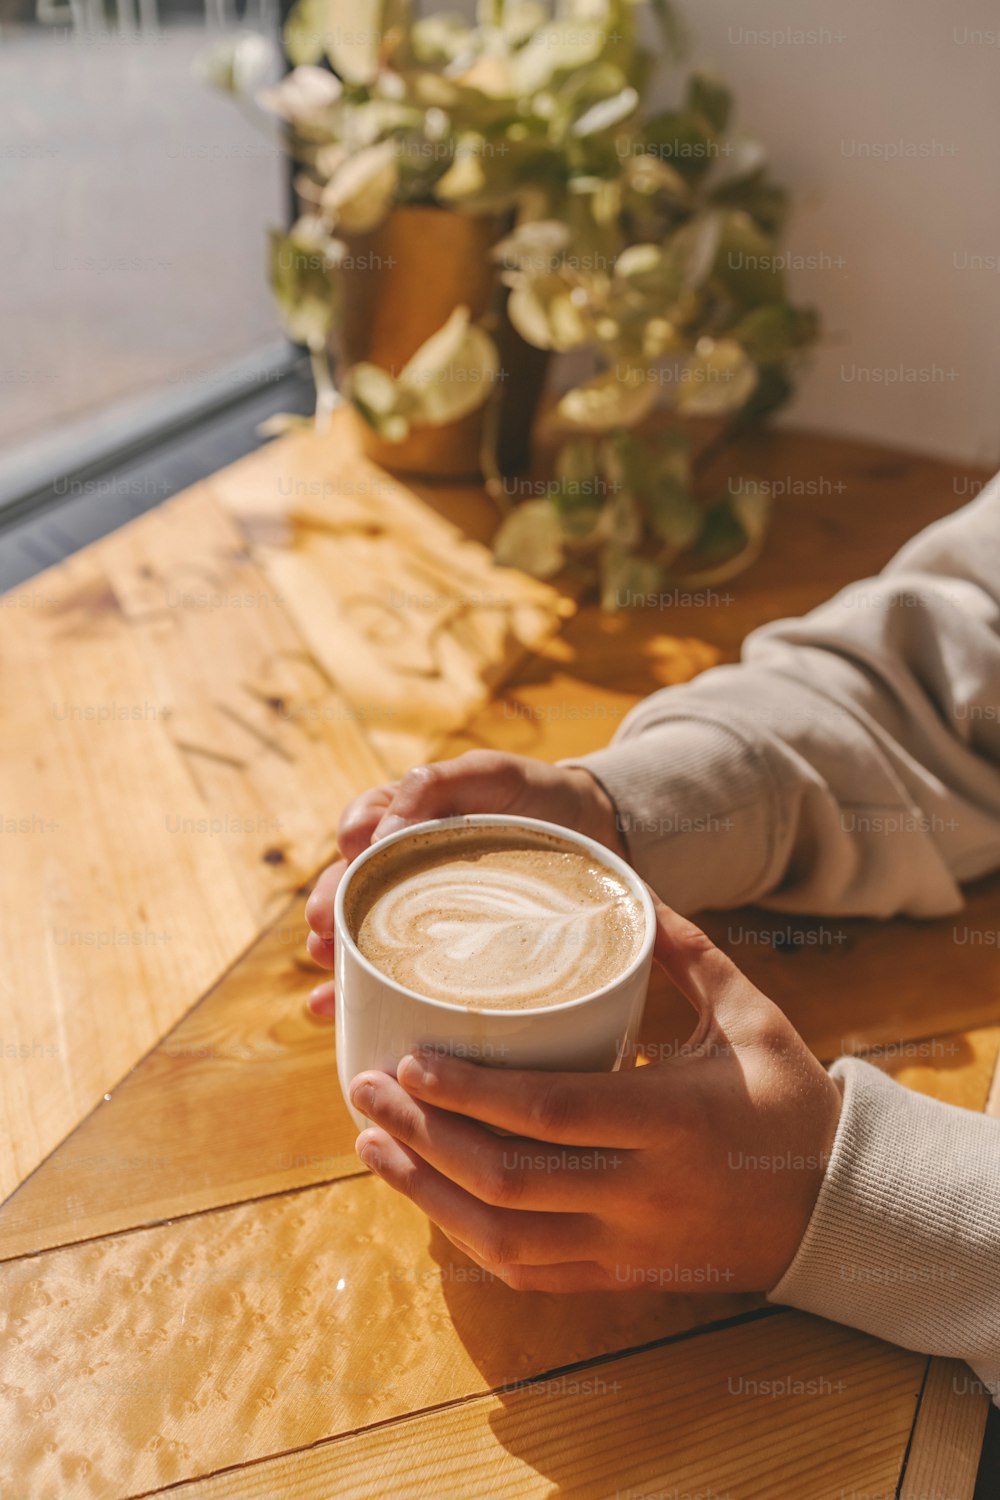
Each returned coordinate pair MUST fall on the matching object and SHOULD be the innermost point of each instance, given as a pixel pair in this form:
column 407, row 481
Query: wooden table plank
column 135, row 1361
column 239, row 1101
column 408, row 616
column 234, row 684
column 789, row 1409
column 948, row 1435
column 171, row 720
column 105, row 940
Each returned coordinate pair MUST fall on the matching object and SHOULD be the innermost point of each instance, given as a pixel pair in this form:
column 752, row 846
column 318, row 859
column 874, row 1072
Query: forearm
column 850, row 764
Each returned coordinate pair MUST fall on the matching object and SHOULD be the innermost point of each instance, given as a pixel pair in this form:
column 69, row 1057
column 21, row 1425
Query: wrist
column 597, row 815
column 802, row 1208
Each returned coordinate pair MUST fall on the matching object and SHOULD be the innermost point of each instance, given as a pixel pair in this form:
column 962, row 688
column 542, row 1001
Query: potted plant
column 478, row 197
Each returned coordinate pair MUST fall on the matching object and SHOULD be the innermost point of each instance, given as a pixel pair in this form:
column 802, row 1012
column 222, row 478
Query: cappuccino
column 494, row 919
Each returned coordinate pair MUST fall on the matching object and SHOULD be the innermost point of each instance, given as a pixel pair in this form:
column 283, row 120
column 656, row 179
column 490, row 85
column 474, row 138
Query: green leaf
column 361, row 190
column 732, row 537
column 681, row 141
column 303, row 33
column 674, row 514
column 606, row 402
column 579, row 499
column 606, row 113
column 622, row 519
column 721, row 535
column 579, row 513
column 379, row 399
column 773, row 331
column 747, row 263
column 547, row 312
column 531, row 538
column 694, row 250
column 710, row 99
column 577, row 460
column 774, row 388
column 519, row 19
column 561, row 47
column 348, row 32
column 763, row 200
column 304, row 96
column 535, row 246
column 719, row 378
column 236, row 65
column 440, row 39
column 303, row 288
column 451, row 373
column 647, row 176
column 627, row 579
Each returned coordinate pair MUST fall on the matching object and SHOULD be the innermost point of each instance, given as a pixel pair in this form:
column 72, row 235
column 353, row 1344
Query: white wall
column 909, row 76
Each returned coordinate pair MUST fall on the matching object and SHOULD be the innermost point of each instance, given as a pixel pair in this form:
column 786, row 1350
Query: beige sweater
column 850, row 764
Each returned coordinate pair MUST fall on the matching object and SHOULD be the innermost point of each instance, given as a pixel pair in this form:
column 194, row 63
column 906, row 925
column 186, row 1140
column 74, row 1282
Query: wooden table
column 203, row 1290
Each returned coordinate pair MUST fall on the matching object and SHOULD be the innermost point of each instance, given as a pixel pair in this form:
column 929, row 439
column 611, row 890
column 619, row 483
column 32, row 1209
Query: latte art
column 487, row 926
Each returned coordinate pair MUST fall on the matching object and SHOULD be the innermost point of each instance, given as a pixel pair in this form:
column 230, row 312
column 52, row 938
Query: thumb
column 707, row 977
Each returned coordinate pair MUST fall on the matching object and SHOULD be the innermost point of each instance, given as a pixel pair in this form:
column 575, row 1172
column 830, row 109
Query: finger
column 478, row 781
column 702, row 972
column 323, row 1001
column 571, row 1276
column 570, row 1109
column 506, row 1172
column 499, row 1237
column 360, row 817
column 319, row 907
column 320, row 950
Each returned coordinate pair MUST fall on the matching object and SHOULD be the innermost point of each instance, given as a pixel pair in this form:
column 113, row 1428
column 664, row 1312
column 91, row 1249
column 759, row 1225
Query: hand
column 483, row 781
column 697, row 1173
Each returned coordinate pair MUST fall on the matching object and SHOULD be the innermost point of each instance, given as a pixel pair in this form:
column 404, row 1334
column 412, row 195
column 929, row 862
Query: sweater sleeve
column 904, row 1240
column 850, row 763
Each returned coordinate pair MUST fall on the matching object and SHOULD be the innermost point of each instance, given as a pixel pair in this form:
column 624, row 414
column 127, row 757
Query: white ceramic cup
column 380, row 1021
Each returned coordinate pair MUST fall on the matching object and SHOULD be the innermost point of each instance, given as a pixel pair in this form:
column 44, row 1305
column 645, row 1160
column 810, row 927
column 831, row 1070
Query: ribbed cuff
column 696, row 809
column 904, row 1241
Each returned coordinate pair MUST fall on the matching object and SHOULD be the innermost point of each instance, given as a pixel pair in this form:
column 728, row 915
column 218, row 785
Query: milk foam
column 484, row 925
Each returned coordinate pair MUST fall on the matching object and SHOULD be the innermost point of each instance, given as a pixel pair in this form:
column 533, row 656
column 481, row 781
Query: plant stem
column 326, row 391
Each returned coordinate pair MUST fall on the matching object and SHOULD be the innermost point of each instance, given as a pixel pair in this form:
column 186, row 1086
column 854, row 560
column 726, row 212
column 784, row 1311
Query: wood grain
column 239, row 1101
column 411, row 619
column 787, row 1409
column 105, row 939
column 948, row 1435
column 273, row 748
column 135, row 1361
column 184, row 749
column 140, row 1359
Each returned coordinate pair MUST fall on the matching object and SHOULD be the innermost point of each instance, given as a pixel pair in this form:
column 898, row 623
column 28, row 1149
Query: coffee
column 493, row 919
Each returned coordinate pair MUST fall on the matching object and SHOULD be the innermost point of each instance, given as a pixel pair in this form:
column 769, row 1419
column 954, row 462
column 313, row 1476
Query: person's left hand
column 692, row 1174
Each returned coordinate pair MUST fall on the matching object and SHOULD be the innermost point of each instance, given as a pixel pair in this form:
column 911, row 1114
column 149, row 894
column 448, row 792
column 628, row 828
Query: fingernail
column 391, row 823
column 370, row 1155
column 362, row 1096
column 411, row 1072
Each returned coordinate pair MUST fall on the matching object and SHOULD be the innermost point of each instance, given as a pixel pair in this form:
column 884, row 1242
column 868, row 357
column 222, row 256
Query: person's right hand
column 484, row 781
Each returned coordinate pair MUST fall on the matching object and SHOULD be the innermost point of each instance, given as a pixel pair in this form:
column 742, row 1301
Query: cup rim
column 501, row 820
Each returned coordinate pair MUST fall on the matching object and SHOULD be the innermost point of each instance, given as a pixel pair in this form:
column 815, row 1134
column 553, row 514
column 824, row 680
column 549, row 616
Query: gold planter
column 399, row 285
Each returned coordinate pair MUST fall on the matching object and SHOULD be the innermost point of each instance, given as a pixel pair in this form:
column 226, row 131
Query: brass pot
column 400, row 284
